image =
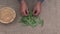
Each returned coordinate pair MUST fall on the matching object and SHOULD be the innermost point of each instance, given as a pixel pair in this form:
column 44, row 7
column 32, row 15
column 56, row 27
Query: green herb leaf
column 32, row 20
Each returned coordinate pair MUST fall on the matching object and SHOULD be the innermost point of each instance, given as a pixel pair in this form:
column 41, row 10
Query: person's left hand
column 37, row 9
column 24, row 8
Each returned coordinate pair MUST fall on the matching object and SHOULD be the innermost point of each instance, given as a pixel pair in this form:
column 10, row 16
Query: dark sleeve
column 41, row 1
column 19, row 1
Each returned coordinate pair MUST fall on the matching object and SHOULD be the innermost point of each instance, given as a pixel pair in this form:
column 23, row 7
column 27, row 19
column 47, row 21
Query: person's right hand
column 24, row 8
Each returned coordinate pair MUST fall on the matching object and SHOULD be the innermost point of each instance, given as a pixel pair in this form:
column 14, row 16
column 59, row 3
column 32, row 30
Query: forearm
column 41, row 1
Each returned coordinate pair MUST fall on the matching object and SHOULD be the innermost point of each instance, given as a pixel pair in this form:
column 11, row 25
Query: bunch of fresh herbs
column 31, row 20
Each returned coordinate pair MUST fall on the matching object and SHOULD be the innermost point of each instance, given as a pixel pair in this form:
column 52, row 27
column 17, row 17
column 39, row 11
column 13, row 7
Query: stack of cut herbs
column 31, row 20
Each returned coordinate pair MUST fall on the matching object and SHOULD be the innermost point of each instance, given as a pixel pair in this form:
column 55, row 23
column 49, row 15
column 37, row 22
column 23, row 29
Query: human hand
column 37, row 9
column 24, row 8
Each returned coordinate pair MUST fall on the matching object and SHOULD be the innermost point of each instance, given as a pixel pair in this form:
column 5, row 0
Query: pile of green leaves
column 31, row 20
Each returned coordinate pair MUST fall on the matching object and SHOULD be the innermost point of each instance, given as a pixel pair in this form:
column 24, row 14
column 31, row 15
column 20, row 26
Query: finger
column 36, row 12
column 25, row 13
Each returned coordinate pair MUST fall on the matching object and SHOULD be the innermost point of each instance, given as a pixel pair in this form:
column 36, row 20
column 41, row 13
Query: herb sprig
column 31, row 20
